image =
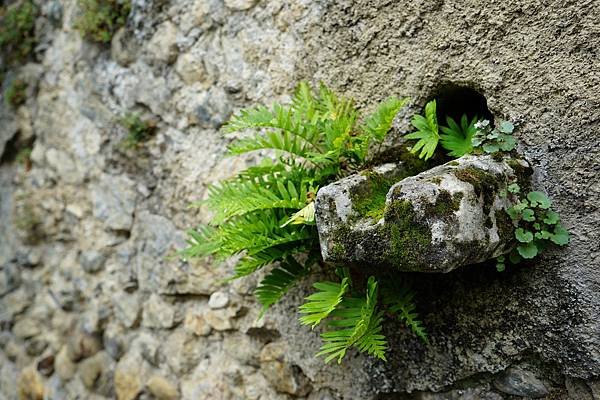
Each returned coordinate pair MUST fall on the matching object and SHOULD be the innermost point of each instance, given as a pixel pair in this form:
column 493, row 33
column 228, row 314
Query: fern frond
column 361, row 327
column 304, row 102
column 322, row 303
column 458, row 139
column 254, row 233
column 277, row 283
column 202, row 242
column 238, row 197
column 280, row 129
column 427, row 134
column 401, row 302
column 379, row 123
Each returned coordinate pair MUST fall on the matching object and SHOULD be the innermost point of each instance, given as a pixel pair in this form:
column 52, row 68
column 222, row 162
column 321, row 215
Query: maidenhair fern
column 265, row 214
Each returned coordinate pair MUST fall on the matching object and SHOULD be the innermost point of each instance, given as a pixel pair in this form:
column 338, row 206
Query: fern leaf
column 427, row 134
column 458, row 139
column 379, row 123
column 202, row 242
column 322, row 303
column 361, row 327
column 401, row 302
column 305, row 216
column 277, row 283
column 238, row 197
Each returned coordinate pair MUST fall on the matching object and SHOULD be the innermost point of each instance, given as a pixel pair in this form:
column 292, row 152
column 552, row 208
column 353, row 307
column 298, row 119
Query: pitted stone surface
column 446, row 217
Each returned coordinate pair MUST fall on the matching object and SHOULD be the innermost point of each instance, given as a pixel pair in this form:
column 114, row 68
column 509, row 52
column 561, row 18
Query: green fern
column 360, row 327
column 379, row 123
column 458, row 139
column 400, row 300
column 278, row 282
column 427, row 134
column 266, row 213
column 322, row 303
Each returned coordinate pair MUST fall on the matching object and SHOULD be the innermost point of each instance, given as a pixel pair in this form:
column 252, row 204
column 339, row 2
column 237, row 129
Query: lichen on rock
column 435, row 221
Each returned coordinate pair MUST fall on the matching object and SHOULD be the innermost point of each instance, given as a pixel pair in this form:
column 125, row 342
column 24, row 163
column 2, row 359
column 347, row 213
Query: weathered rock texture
column 91, row 305
column 446, row 217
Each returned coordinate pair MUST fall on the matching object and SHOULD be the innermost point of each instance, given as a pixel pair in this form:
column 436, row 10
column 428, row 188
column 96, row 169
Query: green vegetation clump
column 537, row 225
column 370, row 202
column 138, row 130
column 28, row 221
column 408, row 236
column 265, row 215
column 17, row 36
column 100, row 19
column 15, row 93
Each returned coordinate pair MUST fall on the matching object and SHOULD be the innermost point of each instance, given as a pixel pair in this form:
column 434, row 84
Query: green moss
column 484, row 183
column 15, row 94
column 100, row 19
column 370, row 201
column 498, row 156
column 338, row 251
column 445, row 205
column 454, row 163
column 505, row 226
column 138, row 130
column 17, row 37
column 28, row 221
column 522, row 173
column 436, row 179
column 409, row 238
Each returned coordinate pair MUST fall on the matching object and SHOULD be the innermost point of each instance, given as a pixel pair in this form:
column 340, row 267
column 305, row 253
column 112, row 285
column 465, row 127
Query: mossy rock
column 434, row 221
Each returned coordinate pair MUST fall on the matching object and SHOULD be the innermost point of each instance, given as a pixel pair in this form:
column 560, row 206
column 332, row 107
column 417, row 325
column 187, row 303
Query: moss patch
column 370, row 202
column 100, row 19
column 484, row 183
column 522, row 173
column 17, row 25
column 505, row 226
column 445, row 205
column 15, row 94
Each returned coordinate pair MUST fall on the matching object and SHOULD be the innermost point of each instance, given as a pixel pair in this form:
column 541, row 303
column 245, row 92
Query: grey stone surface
column 441, row 219
column 517, row 382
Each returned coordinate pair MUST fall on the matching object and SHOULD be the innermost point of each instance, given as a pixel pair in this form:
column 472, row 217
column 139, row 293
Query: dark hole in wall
column 454, row 101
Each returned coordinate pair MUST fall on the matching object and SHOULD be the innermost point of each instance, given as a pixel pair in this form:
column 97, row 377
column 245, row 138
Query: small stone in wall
column 195, row 323
column 159, row 314
column 26, row 328
column 517, row 382
column 161, row 388
column 127, row 380
column 92, row 261
column 284, row 377
column 30, row 385
column 162, row 46
column 64, row 367
column 220, row 320
column 240, row 5
column 96, row 373
column 127, row 308
column 218, row 300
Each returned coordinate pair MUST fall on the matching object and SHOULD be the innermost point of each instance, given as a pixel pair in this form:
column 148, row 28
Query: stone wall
column 93, row 307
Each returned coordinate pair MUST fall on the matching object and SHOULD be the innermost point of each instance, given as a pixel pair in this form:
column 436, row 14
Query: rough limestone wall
column 92, row 306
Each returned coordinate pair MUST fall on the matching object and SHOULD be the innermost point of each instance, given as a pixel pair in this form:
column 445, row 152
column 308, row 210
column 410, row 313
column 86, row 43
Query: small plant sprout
column 538, row 225
column 17, row 25
column 100, row 19
column 138, row 130
column 15, row 94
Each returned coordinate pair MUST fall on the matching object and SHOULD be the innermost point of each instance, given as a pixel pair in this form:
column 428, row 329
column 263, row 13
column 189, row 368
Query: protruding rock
column 517, row 382
column 436, row 221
